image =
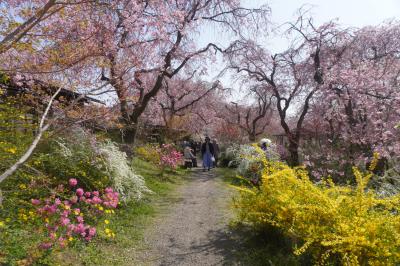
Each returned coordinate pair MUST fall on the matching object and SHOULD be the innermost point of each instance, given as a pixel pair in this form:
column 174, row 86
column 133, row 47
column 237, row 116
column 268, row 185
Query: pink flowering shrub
column 166, row 156
column 73, row 215
column 169, row 156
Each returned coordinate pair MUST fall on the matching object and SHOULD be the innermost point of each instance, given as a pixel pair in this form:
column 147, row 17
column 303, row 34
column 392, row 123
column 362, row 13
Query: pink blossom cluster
column 64, row 219
column 169, row 156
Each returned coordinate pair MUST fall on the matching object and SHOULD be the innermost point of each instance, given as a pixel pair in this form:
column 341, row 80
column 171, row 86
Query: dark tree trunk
column 124, row 111
column 252, row 137
column 129, row 134
column 130, row 130
column 293, row 159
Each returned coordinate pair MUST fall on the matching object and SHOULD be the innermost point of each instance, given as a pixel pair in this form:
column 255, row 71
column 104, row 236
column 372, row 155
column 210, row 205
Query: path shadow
column 230, row 246
column 200, row 175
column 218, row 243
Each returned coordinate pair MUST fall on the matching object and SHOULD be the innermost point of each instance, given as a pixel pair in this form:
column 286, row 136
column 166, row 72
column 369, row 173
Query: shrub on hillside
column 95, row 164
column 72, row 214
column 74, row 154
column 129, row 184
column 148, row 153
column 351, row 224
column 164, row 157
column 170, row 157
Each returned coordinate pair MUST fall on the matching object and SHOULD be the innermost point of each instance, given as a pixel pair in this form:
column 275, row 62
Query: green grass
column 228, row 175
column 264, row 246
column 128, row 223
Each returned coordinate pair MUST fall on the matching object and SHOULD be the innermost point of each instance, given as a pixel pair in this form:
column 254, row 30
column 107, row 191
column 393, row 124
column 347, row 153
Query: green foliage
column 16, row 132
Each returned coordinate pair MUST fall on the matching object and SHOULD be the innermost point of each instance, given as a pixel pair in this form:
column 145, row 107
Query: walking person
column 216, row 151
column 207, row 153
column 189, row 156
column 193, row 146
column 264, row 144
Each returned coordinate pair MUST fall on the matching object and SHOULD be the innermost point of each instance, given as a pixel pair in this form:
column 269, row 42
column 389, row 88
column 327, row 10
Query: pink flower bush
column 64, row 219
column 73, row 182
column 79, row 192
column 169, row 156
column 35, row 201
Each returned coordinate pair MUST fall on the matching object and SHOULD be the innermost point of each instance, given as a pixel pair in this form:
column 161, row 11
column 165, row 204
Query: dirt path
column 194, row 230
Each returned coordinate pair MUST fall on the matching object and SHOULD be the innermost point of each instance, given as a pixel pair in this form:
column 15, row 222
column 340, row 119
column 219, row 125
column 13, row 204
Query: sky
column 350, row 13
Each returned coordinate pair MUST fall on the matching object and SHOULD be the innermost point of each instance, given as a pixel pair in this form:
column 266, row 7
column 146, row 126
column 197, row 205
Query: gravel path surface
column 194, row 229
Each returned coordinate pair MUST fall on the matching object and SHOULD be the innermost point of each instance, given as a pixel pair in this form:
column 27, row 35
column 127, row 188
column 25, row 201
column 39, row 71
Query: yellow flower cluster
column 11, row 150
column 24, row 215
column 109, row 233
column 148, row 153
column 349, row 223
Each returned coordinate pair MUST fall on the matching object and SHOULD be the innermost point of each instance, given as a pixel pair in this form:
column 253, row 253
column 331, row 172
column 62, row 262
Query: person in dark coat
column 216, row 152
column 207, row 153
column 193, row 145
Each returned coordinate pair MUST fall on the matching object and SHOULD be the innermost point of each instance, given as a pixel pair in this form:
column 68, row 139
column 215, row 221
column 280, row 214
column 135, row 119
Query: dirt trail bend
column 194, row 229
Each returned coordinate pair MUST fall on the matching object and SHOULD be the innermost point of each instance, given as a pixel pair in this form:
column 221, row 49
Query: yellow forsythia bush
column 149, row 153
column 328, row 221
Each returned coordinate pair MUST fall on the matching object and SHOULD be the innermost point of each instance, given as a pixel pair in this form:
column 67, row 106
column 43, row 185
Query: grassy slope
column 263, row 246
column 128, row 223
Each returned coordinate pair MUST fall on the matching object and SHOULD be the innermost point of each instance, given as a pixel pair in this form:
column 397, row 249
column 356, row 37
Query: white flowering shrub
column 73, row 154
column 388, row 184
column 130, row 185
column 95, row 164
column 273, row 152
column 248, row 160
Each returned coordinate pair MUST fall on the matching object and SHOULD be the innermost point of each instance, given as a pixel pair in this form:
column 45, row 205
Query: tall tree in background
column 251, row 118
column 184, row 97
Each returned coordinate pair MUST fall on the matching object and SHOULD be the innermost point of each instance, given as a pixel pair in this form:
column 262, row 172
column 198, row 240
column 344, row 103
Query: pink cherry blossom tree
column 355, row 113
column 294, row 76
column 144, row 43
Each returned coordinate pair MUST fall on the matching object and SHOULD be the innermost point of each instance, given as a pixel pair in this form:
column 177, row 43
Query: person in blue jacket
column 207, row 153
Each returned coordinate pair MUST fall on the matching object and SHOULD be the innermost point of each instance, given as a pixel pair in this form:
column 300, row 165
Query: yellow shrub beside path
column 349, row 222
